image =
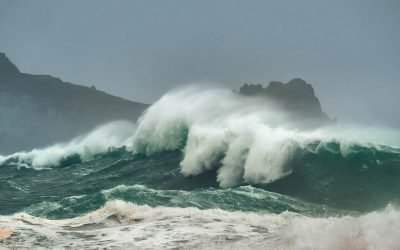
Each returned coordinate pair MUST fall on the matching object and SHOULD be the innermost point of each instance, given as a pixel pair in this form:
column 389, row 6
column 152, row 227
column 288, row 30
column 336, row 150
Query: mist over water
column 246, row 138
column 187, row 164
column 194, row 125
column 251, row 139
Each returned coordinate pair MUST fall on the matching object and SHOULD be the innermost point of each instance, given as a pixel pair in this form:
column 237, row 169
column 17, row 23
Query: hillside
column 37, row 110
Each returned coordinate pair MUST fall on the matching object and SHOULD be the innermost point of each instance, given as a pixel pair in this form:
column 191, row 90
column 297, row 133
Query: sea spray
column 114, row 134
column 120, row 224
column 155, row 184
column 248, row 139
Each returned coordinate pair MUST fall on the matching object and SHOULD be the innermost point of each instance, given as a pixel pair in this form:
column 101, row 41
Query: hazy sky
column 349, row 50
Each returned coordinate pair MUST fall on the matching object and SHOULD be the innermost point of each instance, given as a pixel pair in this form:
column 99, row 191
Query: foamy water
column 121, row 225
column 183, row 150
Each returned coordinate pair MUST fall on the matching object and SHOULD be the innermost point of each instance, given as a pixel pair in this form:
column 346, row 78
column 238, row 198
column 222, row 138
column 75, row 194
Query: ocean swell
column 247, row 140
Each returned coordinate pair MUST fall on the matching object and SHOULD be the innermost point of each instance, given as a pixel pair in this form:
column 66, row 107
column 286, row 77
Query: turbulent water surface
column 203, row 170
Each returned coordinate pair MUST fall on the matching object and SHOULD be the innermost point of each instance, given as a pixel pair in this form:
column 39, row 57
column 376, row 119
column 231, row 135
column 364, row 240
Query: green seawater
column 322, row 182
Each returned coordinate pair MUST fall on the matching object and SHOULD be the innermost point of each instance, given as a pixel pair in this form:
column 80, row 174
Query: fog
column 348, row 50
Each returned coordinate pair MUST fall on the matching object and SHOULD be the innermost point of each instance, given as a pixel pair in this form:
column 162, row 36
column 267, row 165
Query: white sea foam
column 115, row 134
column 250, row 139
column 124, row 225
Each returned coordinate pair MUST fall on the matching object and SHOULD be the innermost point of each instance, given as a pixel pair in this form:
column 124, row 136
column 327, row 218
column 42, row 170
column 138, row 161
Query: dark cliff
column 37, row 110
column 296, row 97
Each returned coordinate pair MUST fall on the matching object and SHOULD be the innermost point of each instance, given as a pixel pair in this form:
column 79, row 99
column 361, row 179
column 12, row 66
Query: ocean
column 206, row 169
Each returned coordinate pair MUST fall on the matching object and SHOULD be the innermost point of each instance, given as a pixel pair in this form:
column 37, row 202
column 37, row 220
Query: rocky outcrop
column 296, row 97
column 37, row 110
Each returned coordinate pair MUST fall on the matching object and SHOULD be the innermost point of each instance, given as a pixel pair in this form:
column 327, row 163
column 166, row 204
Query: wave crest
column 83, row 148
column 248, row 140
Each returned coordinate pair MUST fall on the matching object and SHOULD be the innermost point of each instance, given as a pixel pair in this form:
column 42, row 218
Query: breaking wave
column 82, row 148
column 286, row 183
column 245, row 139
